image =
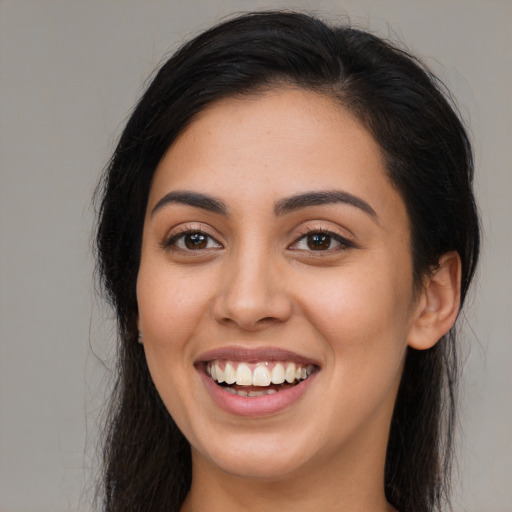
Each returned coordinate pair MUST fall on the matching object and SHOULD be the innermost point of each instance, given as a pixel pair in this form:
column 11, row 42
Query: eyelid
column 180, row 231
column 345, row 242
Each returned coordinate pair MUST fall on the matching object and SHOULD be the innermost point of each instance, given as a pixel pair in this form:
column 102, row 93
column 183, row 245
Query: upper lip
column 254, row 355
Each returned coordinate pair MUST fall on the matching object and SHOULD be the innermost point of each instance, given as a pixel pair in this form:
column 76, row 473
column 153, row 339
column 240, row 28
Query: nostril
column 248, row 324
column 269, row 319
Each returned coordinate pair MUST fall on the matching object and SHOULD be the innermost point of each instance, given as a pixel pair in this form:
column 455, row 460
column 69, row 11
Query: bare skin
column 251, row 267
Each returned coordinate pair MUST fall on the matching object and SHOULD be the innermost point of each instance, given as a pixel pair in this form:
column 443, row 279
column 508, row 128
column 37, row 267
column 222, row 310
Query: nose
column 253, row 293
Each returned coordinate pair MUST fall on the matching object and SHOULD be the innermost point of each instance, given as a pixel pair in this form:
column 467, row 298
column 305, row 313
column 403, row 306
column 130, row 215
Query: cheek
column 169, row 313
column 363, row 318
column 170, row 303
column 363, row 309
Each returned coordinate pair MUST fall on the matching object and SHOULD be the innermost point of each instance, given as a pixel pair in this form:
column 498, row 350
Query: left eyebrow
column 195, row 199
column 307, row 199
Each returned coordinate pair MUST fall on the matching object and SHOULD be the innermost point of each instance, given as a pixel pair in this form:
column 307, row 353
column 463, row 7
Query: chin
column 273, row 459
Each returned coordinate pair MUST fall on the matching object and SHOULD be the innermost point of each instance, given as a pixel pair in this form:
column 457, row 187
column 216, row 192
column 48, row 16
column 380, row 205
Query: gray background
column 70, row 73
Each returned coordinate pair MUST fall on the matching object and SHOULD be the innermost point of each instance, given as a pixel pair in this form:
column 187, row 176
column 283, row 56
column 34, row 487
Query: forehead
column 274, row 144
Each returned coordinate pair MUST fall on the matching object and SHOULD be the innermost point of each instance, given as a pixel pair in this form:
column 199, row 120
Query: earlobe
column 438, row 305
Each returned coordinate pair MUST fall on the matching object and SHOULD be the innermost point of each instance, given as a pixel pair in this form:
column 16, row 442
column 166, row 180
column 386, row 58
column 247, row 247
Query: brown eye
column 319, row 242
column 194, row 241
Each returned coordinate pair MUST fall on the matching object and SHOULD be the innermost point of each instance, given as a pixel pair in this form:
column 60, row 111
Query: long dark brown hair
column 147, row 463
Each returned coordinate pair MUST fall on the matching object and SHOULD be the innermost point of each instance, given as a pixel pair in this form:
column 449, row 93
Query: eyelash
column 344, row 244
column 171, row 242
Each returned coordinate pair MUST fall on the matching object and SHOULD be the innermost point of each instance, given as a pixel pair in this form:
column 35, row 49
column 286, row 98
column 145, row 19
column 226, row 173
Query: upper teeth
column 260, row 374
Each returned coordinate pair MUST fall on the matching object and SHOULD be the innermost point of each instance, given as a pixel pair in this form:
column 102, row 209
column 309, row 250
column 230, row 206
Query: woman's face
column 275, row 247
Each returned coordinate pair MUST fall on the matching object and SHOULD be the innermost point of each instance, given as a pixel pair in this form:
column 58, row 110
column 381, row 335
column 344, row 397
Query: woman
column 287, row 232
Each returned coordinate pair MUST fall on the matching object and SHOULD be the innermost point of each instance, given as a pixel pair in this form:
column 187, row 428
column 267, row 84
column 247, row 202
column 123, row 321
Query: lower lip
column 258, row 405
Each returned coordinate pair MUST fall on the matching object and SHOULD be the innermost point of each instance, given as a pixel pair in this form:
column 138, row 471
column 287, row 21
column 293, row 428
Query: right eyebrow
column 195, row 199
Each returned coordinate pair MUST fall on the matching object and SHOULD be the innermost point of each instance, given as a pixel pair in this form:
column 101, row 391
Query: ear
column 438, row 304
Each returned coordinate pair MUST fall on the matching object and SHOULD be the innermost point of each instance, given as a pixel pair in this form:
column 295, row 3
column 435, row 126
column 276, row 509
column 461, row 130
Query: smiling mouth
column 257, row 379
